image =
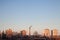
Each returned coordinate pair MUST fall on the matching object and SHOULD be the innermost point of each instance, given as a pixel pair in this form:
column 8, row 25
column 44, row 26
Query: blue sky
column 20, row 14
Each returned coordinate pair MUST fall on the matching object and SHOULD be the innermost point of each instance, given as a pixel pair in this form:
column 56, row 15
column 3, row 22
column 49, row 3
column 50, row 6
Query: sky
column 21, row 14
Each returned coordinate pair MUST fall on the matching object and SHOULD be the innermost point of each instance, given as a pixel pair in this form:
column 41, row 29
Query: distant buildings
column 9, row 32
column 46, row 32
column 23, row 32
column 51, row 33
column 35, row 33
column 10, row 35
column 55, row 32
column 0, row 34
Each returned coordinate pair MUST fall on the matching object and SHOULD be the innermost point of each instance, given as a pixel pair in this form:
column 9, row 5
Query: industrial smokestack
column 30, row 30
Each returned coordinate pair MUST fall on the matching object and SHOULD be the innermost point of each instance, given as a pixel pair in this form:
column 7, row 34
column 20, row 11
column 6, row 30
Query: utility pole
column 30, row 30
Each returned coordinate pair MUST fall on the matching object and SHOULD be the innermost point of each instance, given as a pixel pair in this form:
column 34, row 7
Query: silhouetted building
column 0, row 34
column 51, row 33
column 23, row 32
column 3, row 35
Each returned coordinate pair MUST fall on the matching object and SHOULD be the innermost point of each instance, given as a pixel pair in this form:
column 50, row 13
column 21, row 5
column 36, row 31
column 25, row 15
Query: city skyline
column 45, row 32
column 20, row 14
